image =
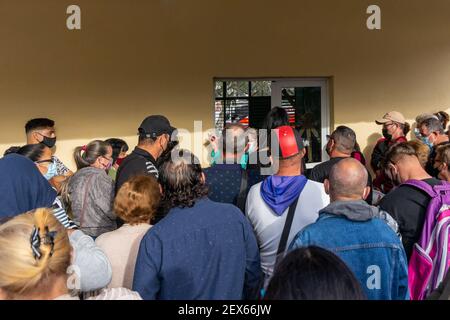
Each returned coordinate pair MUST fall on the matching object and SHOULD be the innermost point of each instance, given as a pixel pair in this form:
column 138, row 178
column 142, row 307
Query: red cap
column 290, row 141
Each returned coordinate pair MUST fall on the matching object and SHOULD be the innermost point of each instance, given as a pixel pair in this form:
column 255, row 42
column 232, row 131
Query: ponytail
column 86, row 156
column 80, row 161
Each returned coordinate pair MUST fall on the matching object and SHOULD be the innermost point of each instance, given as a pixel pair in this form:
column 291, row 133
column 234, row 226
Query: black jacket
column 139, row 162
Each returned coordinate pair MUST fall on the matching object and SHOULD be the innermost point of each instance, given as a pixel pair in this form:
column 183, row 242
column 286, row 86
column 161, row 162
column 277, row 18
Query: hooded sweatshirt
column 359, row 210
column 354, row 232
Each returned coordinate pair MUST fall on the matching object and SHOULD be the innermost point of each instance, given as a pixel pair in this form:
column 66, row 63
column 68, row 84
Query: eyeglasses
column 44, row 161
column 386, row 125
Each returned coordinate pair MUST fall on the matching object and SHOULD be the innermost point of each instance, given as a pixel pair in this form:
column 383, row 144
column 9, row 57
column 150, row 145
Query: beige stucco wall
column 134, row 58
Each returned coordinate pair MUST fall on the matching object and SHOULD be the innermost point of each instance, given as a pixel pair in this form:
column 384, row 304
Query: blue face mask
column 427, row 142
column 51, row 172
column 417, row 133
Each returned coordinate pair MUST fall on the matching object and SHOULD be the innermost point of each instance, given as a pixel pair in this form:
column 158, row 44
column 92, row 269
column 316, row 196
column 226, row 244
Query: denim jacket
column 356, row 232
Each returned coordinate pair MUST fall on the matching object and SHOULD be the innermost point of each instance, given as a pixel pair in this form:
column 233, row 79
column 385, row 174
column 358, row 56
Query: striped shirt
column 61, row 215
column 151, row 169
column 61, row 168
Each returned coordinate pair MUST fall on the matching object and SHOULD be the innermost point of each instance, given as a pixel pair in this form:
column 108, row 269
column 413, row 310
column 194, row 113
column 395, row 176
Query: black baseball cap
column 154, row 126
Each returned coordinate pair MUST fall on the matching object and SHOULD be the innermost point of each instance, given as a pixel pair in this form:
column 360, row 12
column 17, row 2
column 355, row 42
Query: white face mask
column 252, row 147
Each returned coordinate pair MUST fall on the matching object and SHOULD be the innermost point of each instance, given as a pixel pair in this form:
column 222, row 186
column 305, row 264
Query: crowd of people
column 256, row 224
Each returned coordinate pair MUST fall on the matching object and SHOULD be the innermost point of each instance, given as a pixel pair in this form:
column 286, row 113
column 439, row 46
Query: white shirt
column 268, row 226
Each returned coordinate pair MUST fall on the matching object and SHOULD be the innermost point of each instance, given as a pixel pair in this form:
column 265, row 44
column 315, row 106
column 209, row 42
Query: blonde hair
column 422, row 151
column 21, row 273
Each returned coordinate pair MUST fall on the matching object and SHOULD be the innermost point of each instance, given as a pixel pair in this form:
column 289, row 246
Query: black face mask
column 165, row 156
column 49, row 142
column 386, row 134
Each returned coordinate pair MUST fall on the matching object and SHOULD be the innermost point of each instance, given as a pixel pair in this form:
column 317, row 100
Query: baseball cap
column 289, row 140
column 154, row 126
column 394, row 116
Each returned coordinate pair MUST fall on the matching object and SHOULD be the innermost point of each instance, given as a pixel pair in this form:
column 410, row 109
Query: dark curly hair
column 181, row 180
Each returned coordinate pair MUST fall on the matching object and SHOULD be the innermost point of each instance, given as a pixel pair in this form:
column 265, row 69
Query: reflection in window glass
column 219, row 89
column 247, row 102
column 305, row 103
column 219, row 114
column 261, row 88
column 233, row 99
column 237, row 88
column 236, row 111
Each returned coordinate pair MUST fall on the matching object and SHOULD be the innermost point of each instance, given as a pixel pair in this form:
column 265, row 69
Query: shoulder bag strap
column 286, row 230
column 242, row 191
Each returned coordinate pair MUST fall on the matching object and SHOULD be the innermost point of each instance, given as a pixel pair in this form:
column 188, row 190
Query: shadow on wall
column 371, row 142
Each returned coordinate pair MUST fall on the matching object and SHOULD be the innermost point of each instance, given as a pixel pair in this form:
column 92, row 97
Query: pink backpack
column 430, row 258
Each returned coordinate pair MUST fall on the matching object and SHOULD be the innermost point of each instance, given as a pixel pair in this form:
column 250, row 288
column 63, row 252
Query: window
column 233, row 99
column 305, row 100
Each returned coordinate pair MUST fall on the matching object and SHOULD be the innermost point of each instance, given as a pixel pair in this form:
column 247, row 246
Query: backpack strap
column 442, row 189
column 286, row 230
column 240, row 203
column 422, row 185
column 446, row 290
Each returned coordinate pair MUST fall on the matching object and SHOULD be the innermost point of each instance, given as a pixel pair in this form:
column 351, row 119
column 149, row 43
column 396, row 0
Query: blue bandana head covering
column 280, row 192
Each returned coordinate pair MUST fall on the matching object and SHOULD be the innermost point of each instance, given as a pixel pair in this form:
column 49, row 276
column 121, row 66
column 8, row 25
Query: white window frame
column 278, row 84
